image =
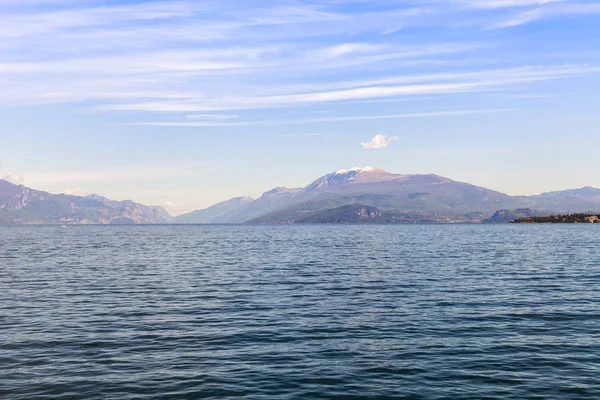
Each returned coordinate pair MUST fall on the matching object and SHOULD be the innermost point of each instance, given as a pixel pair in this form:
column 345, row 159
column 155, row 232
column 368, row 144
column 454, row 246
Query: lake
column 300, row 312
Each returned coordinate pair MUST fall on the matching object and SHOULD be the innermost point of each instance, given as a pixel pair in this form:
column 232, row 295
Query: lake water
column 300, row 312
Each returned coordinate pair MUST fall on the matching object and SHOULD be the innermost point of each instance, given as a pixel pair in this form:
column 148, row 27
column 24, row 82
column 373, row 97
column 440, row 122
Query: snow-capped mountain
column 371, row 187
column 375, row 187
column 353, row 176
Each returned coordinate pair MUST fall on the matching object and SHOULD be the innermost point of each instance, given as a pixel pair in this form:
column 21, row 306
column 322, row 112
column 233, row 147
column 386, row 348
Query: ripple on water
column 403, row 312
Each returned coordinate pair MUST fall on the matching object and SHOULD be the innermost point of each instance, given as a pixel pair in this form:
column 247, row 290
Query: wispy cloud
column 299, row 135
column 505, row 3
column 453, row 113
column 203, row 57
column 549, row 11
column 267, row 102
column 379, row 142
column 529, row 96
column 430, row 114
column 350, row 48
column 24, row 24
column 212, row 117
column 477, row 81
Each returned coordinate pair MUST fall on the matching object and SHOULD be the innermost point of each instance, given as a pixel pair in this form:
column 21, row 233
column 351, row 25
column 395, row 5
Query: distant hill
column 357, row 214
column 22, row 205
column 346, row 214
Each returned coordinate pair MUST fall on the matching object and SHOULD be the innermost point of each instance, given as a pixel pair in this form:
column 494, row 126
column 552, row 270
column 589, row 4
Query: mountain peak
column 280, row 189
column 358, row 170
column 348, row 176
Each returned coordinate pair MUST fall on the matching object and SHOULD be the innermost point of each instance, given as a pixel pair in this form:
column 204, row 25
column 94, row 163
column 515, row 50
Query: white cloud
column 13, row 178
column 379, row 142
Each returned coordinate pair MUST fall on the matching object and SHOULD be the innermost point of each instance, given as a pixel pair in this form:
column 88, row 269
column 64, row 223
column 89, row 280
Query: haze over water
column 297, row 312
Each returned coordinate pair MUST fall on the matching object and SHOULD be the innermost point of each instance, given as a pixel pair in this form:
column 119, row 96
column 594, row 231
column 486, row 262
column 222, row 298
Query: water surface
column 300, row 312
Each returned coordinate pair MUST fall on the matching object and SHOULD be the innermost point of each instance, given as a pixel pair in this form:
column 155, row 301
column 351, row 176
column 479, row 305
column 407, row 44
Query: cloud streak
column 493, row 4
column 452, row 113
column 479, row 81
column 549, row 11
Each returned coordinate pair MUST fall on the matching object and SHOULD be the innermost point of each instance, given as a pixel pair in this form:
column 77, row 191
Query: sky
column 187, row 103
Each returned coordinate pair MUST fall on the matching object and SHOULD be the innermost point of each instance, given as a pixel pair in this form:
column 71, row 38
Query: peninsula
column 561, row 219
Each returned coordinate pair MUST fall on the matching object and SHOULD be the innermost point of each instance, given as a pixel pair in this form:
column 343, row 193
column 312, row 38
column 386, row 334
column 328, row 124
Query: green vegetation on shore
column 561, row 219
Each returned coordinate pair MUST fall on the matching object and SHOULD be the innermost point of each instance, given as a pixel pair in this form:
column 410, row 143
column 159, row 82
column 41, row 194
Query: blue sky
column 186, row 103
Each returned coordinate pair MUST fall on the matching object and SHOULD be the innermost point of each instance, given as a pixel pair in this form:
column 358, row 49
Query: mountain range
column 352, row 195
column 408, row 198
column 22, row 205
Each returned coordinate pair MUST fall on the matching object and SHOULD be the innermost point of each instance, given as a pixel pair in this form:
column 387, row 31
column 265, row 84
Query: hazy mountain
column 163, row 213
column 152, row 214
column 398, row 197
column 275, row 199
column 572, row 200
column 415, row 195
column 22, row 205
column 218, row 213
column 588, row 193
column 564, row 201
column 240, row 209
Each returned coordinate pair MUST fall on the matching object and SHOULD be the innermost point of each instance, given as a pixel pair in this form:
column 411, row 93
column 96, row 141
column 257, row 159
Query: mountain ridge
column 22, row 205
column 398, row 197
column 416, row 194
